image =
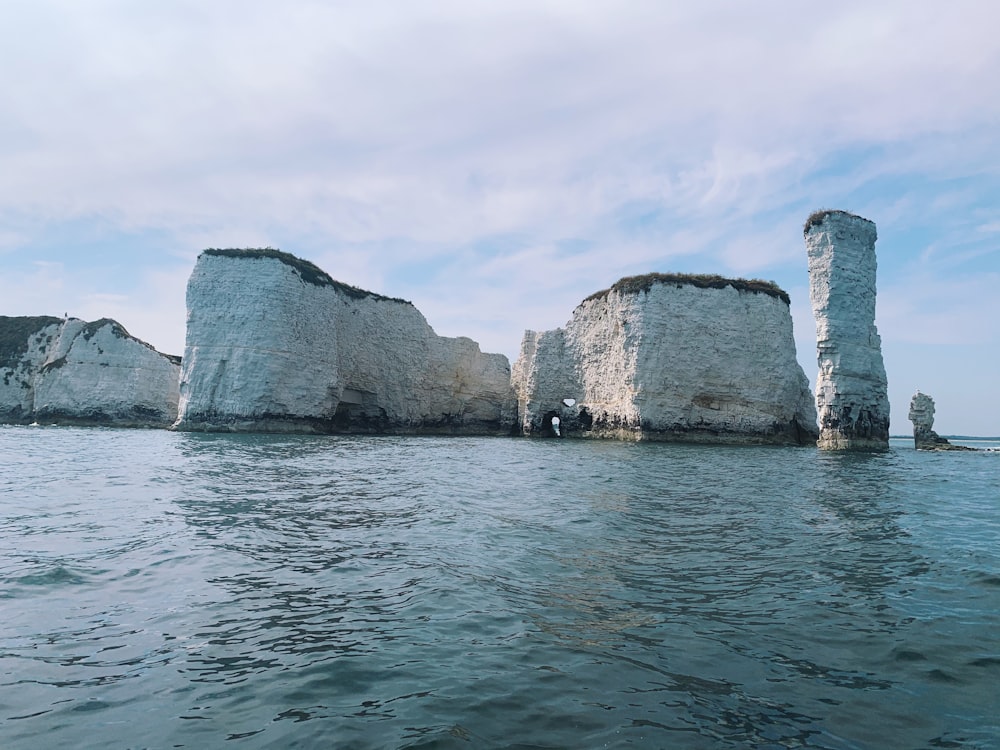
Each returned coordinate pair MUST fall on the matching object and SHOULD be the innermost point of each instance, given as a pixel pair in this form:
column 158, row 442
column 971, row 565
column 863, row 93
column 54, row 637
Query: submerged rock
column 670, row 357
column 275, row 344
column 68, row 371
column 922, row 417
column 851, row 389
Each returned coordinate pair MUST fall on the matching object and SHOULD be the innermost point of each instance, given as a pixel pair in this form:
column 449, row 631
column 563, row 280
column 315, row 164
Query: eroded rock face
column 851, row 389
column 922, row 417
column 666, row 357
column 68, row 371
column 275, row 344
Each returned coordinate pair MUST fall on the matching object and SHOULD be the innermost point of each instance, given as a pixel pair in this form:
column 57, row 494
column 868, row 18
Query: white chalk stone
column 73, row 372
column 275, row 344
column 851, row 388
column 671, row 362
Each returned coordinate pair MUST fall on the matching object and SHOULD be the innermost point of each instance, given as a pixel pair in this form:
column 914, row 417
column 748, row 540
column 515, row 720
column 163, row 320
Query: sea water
column 168, row 590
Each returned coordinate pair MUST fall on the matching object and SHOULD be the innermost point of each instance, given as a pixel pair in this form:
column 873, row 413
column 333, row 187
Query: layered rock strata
column 670, row 357
column 922, row 417
column 68, row 371
column 851, row 388
column 275, row 344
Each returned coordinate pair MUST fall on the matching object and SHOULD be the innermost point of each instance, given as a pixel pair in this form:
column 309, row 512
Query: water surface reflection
column 397, row 592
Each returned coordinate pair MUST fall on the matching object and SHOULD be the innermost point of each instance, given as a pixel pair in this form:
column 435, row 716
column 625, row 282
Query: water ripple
column 161, row 589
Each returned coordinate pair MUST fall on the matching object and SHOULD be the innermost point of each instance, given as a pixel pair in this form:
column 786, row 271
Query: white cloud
column 153, row 310
column 21, row 290
column 367, row 122
column 928, row 310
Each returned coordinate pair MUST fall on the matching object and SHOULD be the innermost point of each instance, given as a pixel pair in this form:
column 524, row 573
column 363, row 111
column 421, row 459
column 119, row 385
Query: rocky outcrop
column 851, row 389
column 922, row 417
column 68, row 371
column 275, row 344
column 670, row 357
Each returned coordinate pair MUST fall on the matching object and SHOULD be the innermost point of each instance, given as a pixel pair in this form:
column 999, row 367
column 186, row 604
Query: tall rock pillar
column 851, row 398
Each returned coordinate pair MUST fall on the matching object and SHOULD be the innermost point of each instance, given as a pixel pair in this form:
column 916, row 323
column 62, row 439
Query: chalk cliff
column 275, row 344
column 68, row 371
column 922, row 417
column 670, row 357
column 851, row 389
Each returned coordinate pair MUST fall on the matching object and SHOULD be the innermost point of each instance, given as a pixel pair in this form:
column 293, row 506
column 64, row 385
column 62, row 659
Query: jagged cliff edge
column 69, row 371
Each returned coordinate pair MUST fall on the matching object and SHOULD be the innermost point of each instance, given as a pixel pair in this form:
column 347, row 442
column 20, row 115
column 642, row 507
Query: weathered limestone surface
column 662, row 358
column 851, row 389
column 922, row 417
column 275, row 344
column 68, row 371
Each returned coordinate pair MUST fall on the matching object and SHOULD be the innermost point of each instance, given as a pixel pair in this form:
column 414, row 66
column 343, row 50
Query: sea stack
column 669, row 357
column 924, row 437
column 851, row 389
column 274, row 344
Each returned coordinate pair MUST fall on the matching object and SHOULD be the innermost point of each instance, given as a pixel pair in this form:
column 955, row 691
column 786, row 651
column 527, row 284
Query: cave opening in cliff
column 550, row 424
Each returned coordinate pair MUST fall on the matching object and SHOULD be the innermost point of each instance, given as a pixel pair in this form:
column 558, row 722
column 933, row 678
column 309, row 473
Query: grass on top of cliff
column 636, row 284
column 816, row 218
column 308, row 272
column 89, row 330
column 117, row 329
column 15, row 333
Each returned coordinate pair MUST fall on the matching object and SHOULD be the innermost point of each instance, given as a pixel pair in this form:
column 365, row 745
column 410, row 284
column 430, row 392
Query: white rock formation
column 922, row 416
column 851, row 389
column 275, row 344
column 668, row 357
column 67, row 371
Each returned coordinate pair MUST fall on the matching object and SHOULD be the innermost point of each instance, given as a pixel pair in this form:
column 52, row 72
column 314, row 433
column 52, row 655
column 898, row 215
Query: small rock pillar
column 922, row 416
column 851, row 389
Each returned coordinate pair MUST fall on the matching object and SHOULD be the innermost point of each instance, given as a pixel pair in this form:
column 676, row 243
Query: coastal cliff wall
column 275, row 344
column 670, row 357
column 851, row 388
column 68, row 371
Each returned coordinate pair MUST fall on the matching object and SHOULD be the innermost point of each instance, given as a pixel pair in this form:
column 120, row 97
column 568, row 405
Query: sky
column 496, row 162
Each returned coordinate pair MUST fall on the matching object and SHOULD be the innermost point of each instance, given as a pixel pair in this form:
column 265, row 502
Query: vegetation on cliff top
column 14, row 335
column 816, row 218
column 117, row 329
column 308, row 272
column 636, row 284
